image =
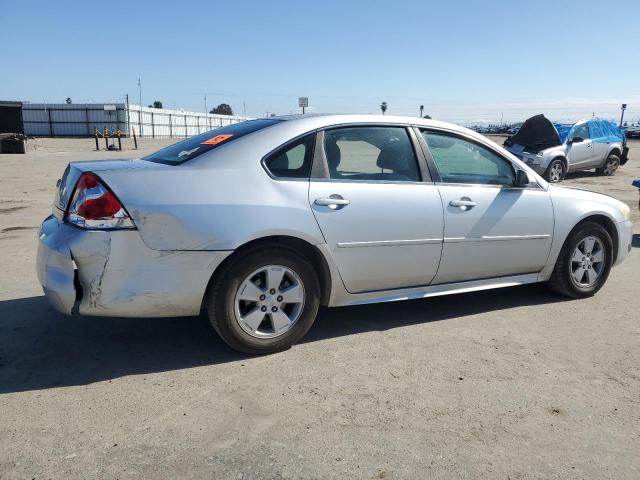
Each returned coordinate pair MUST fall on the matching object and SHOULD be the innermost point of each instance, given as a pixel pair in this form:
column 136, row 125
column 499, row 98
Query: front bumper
column 625, row 240
column 536, row 164
column 113, row 273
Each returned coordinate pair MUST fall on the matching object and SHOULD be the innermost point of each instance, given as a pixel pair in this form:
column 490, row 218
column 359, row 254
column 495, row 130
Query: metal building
column 81, row 120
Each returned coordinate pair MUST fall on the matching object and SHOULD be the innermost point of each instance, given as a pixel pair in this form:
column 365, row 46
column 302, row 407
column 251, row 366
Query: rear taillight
column 95, row 206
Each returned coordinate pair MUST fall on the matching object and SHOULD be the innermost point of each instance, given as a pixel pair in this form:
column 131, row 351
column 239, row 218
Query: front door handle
column 334, row 202
column 465, row 203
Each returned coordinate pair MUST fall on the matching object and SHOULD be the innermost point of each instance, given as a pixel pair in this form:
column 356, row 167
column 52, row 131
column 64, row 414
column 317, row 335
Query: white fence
column 81, row 120
column 160, row 122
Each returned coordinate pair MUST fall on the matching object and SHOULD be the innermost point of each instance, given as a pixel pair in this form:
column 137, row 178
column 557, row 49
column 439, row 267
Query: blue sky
column 466, row 61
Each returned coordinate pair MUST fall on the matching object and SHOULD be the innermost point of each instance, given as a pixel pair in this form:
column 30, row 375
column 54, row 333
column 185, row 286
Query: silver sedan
column 261, row 222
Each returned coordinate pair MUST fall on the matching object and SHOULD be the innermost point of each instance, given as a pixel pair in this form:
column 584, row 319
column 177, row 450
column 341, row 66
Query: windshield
column 192, row 147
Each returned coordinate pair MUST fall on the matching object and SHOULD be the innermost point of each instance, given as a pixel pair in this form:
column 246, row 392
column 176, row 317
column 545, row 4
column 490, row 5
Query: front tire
column 584, row 262
column 264, row 301
column 555, row 171
column 610, row 166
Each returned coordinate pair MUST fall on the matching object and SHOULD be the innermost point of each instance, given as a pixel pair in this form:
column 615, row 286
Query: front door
column 580, row 152
column 492, row 229
column 382, row 222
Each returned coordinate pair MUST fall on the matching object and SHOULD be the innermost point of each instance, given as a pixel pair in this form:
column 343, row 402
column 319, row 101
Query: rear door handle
column 464, row 203
column 333, row 201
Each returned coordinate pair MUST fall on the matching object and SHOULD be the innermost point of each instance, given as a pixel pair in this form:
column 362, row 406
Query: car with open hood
column 552, row 150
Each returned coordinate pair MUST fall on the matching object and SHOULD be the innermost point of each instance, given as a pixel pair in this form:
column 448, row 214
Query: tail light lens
column 94, row 206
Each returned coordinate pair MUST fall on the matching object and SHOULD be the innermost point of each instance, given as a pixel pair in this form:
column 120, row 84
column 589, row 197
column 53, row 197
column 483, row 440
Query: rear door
column 492, row 228
column 377, row 208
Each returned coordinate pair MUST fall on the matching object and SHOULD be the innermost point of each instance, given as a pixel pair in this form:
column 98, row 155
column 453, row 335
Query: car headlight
column 626, row 211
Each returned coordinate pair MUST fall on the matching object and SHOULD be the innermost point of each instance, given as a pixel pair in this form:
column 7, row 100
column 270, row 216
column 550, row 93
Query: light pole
column 139, row 92
column 383, row 107
column 623, row 108
column 421, row 110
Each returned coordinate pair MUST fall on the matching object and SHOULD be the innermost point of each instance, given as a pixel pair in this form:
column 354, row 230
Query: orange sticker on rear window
column 217, row 139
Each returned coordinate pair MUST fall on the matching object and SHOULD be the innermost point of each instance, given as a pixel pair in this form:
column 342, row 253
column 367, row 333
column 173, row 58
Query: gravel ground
column 513, row 383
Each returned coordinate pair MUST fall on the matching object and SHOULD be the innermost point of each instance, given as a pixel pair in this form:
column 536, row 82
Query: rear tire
column 584, row 262
column 555, row 172
column 259, row 325
column 610, row 166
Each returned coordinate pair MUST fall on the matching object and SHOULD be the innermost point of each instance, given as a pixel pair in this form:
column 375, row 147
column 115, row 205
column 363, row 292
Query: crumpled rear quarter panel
column 120, row 275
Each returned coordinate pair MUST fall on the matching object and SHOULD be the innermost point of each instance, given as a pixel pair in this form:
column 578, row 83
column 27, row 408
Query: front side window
column 292, row 160
column 370, row 154
column 197, row 145
column 463, row 161
column 580, row 131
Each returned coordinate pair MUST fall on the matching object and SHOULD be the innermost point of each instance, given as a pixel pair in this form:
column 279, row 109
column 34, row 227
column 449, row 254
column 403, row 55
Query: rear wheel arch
column 301, row 247
column 614, row 151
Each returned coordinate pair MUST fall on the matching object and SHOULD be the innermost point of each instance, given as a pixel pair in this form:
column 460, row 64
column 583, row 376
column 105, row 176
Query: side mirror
column 576, row 140
column 522, row 179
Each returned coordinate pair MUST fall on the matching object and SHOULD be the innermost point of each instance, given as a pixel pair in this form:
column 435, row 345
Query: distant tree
column 383, row 107
column 68, row 100
column 222, row 109
column 428, row 117
column 157, row 104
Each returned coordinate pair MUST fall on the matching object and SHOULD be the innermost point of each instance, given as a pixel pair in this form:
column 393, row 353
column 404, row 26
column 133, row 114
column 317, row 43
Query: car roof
column 322, row 120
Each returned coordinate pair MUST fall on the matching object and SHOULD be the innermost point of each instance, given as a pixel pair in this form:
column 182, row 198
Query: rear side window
column 595, row 129
column 195, row 146
column 293, row 160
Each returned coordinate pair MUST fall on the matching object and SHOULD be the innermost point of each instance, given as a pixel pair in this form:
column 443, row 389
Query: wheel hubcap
column 587, row 262
column 269, row 301
column 556, row 172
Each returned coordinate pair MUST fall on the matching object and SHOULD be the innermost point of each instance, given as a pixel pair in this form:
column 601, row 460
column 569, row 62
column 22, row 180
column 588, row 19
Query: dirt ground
column 512, row 384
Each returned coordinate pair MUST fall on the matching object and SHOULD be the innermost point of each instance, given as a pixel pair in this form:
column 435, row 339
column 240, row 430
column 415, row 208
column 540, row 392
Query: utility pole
column 623, row 108
column 205, row 104
column 128, row 119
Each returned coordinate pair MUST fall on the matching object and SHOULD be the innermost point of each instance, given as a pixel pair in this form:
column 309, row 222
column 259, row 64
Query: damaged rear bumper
column 113, row 273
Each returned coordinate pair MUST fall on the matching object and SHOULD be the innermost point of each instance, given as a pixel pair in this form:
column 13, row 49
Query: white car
column 261, row 222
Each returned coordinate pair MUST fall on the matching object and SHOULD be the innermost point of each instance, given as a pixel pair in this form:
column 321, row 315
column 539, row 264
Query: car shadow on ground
column 581, row 174
column 40, row 348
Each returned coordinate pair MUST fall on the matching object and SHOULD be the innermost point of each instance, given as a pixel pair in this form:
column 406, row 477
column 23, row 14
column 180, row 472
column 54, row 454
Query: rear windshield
column 192, row 147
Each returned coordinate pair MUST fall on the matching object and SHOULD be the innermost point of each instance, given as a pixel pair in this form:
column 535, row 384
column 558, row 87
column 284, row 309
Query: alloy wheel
column 588, row 262
column 555, row 173
column 610, row 167
column 269, row 301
